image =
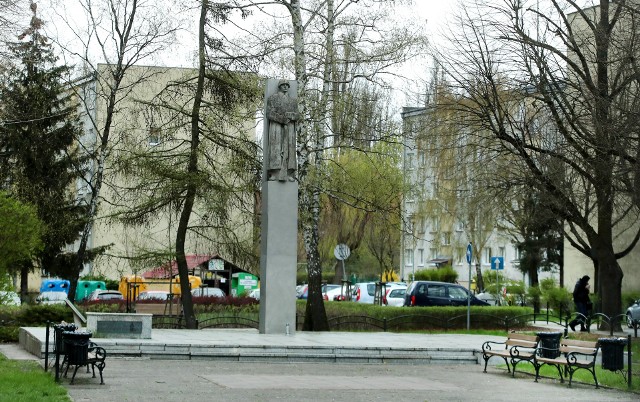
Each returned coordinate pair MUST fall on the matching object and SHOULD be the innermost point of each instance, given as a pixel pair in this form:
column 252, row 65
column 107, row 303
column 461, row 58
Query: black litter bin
column 59, row 329
column 550, row 343
column 77, row 347
column 612, row 353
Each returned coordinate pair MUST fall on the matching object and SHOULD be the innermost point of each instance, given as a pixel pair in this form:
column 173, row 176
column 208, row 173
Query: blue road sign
column 469, row 253
column 497, row 263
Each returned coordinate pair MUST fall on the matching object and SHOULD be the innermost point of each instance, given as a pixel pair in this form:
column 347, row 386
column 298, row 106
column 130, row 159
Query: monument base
column 120, row 325
column 278, row 257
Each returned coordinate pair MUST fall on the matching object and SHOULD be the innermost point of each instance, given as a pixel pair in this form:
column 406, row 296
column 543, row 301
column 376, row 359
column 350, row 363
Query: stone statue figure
column 282, row 114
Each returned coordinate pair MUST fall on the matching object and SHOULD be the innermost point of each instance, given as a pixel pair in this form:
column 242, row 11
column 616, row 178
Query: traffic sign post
column 497, row 264
column 469, row 258
column 342, row 252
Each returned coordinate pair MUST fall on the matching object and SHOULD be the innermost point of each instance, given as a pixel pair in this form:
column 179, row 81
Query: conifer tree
column 39, row 163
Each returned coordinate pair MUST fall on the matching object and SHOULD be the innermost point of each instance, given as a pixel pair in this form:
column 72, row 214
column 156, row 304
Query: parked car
column 51, row 298
column 304, row 292
column 394, row 296
column 102, row 295
column 363, row 292
column 488, row 298
column 208, row 292
column 427, row 293
column 633, row 313
column 332, row 293
column 255, row 293
column 154, row 295
column 9, row 298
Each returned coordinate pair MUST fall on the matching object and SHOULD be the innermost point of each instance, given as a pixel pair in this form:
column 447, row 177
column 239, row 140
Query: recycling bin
column 76, row 344
column 550, row 343
column 612, row 353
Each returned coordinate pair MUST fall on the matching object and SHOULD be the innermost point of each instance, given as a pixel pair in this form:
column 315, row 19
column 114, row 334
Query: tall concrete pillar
column 278, row 257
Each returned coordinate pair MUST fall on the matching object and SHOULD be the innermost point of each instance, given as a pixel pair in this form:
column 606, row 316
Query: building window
column 435, row 224
column 410, row 161
column 434, row 253
column 421, row 256
column 154, row 136
column 460, row 227
column 487, row 255
column 501, row 251
column 408, row 257
column 446, row 238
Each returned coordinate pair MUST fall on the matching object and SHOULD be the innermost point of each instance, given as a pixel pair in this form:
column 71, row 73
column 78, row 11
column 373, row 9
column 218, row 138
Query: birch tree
column 315, row 27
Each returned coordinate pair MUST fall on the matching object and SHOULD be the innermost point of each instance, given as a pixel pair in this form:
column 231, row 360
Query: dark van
column 426, row 293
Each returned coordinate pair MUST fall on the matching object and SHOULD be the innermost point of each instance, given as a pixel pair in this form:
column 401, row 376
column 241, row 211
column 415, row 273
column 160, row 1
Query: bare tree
column 121, row 34
column 9, row 11
column 557, row 87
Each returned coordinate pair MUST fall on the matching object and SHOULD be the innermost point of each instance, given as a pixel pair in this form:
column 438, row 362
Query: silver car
column 633, row 313
column 51, row 298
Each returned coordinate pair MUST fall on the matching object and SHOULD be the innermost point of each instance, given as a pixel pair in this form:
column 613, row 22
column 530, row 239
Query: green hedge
column 347, row 316
column 12, row 318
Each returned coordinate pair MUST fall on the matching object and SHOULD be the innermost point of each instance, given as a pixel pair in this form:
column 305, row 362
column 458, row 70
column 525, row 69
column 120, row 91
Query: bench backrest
column 572, row 345
column 527, row 341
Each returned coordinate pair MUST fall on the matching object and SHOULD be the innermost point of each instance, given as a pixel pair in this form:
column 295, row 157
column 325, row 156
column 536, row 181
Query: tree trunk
column 192, row 171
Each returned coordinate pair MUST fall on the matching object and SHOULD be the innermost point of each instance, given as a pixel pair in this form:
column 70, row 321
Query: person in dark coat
column 581, row 300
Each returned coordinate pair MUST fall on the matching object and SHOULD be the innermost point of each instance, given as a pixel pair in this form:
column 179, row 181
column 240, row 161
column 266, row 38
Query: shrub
column 547, row 284
column 559, row 299
column 444, row 274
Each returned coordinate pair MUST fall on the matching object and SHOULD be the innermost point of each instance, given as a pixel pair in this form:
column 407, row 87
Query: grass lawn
column 26, row 381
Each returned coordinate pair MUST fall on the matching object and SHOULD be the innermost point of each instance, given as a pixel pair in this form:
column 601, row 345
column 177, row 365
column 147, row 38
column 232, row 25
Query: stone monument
column 279, row 230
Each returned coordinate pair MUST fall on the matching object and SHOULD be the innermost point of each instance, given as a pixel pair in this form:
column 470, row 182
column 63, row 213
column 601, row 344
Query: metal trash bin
column 77, row 347
column 612, row 353
column 550, row 343
column 58, row 330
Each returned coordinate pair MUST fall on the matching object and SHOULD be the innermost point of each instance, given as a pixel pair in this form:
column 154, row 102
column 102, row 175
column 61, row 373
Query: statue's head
column 281, row 83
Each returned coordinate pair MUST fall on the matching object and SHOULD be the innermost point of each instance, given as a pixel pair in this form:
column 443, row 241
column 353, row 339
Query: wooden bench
column 516, row 348
column 573, row 355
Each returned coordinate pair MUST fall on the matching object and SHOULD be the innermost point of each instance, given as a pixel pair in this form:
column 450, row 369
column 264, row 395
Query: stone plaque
column 119, row 327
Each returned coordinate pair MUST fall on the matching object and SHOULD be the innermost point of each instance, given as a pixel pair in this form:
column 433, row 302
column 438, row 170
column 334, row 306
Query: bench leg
column 560, row 373
column 592, row 370
column 486, row 360
column 74, row 374
column 100, row 365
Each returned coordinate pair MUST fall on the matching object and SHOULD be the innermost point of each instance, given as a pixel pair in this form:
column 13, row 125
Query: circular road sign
column 469, row 253
column 342, row 251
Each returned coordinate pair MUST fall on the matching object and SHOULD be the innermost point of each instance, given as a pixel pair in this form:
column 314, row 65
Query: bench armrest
column 572, row 357
column 488, row 345
column 516, row 350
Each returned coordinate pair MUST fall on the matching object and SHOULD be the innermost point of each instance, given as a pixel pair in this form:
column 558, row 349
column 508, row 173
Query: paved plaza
column 172, row 378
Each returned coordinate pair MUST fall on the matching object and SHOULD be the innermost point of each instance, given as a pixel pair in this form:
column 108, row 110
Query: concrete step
column 185, row 345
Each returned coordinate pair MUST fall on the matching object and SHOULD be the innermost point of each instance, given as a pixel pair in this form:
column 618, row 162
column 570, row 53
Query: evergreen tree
column 39, row 163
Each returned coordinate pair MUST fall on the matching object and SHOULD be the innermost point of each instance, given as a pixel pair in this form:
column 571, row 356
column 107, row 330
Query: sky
column 431, row 14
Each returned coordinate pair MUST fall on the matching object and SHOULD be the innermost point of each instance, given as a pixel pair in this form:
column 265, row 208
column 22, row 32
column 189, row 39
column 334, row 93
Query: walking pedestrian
column 582, row 301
